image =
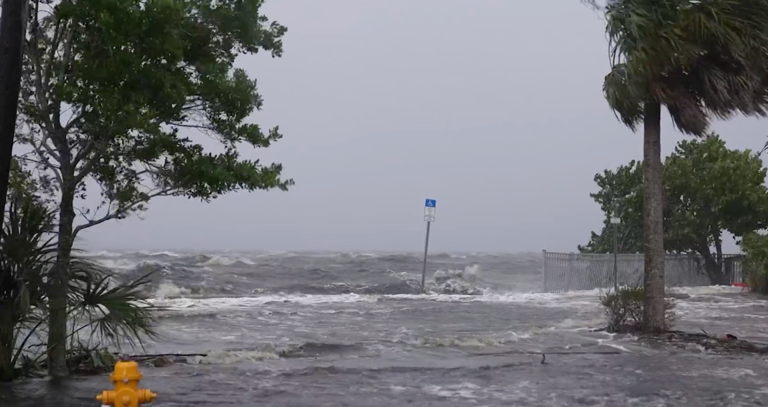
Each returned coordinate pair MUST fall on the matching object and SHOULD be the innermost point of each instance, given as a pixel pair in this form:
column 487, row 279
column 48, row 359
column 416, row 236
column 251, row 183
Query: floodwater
column 339, row 329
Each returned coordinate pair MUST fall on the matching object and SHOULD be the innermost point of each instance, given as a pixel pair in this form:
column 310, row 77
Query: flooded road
column 349, row 330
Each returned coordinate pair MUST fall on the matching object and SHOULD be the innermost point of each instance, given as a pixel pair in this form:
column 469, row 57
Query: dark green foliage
column 122, row 93
column 142, row 81
column 755, row 247
column 699, row 59
column 620, row 194
column 708, row 190
column 99, row 312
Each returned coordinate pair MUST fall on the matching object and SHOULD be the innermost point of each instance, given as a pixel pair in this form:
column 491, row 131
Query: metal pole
column 544, row 270
column 424, row 268
column 616, row 257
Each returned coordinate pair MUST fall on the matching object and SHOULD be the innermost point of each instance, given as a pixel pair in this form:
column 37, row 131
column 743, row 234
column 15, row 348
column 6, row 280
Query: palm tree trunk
column 11, row 40
column 653, row 222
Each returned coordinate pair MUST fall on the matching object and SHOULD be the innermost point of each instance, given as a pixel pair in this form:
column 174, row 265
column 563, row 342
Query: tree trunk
column 715, row 272
column 653, row 220
column 713, row 265
column 11, row 40
column 12, row 26
column 724, row 278
column 7, row 329
column 57, row 302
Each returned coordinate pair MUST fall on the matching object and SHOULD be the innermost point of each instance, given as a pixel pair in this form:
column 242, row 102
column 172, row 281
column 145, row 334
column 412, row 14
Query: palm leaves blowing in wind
column 698, row 58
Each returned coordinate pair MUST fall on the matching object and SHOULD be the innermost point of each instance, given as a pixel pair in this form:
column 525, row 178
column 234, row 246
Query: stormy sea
column 353, row 329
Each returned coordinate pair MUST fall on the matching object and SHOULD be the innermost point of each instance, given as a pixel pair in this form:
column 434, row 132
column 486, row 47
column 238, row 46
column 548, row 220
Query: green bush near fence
column 624, row 310
column 755, row 248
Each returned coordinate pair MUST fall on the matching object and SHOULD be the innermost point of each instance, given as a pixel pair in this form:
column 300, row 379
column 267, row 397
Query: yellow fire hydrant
column 127, row 392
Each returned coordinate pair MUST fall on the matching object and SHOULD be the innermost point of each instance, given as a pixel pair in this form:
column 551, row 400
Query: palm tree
column 700, row 59
column 100, row 312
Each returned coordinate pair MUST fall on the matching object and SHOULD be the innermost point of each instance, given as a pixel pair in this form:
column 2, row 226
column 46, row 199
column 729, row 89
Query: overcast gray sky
column 492, row 107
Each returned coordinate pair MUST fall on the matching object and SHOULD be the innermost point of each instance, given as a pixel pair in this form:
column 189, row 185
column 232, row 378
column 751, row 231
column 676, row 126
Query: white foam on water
column 169, row 254
column 172, row 299
column 468, row 273
column 249, row 302
column 730, row 373
column 231, row 356
column 456, row 341
column 168, row 290
column 611, row 344
column 125, row 264
column 709, row 290
column 102, row 253
column 228, row 261
column 463, row 390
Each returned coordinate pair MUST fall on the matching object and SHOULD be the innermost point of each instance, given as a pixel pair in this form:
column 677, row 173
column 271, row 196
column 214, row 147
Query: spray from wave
column 462, row 282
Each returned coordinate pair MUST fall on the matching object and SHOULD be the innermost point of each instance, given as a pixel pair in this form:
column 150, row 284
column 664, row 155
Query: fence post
column 544, row 271
column 571, row 260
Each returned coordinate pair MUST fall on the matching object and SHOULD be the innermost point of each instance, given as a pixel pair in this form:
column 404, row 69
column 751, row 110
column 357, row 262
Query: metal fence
column 577, row 271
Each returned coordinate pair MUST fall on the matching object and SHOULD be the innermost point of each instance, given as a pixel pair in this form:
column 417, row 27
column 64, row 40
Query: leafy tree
column 699, row 59
column 755, row 248
column 116, row 93
column 708, row 190
column 620, row 194
column 712, row 189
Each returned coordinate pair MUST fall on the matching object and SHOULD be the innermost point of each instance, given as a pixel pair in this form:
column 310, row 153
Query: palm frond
column 622, row 96
column 114, row 313
column 701, row 59
column 108, row 311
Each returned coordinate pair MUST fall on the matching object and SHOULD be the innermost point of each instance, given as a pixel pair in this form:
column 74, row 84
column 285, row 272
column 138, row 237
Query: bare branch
column 66, row 61
column 40, row 90
column 73, row 122
column 122, row 209
column 193, row 126
column 43, row 155
column 44, row 163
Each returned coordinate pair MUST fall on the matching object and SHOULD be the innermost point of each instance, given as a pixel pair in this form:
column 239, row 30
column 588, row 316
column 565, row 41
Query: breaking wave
column 271, row 352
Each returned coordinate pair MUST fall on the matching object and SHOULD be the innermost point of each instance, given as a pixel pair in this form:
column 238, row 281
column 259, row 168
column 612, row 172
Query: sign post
column 615, row 220
column 430, row 206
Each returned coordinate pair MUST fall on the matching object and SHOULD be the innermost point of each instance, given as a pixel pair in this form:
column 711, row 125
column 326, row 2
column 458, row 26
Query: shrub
column 102, row 312
column 755, row 248
column 624, row 309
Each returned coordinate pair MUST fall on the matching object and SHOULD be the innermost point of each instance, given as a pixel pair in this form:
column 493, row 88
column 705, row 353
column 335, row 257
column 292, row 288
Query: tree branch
column 120, row 210
column 66, row 61
column 41, row 86
column 43, row 155
column 86, row 169
column 73, row 121
column 192, row 126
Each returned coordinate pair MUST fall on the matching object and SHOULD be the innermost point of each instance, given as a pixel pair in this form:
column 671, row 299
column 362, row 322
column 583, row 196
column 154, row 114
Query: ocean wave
column 165, row 254
column 228, row 261
column 271, row 352
column 234, row 303
column 232, row 356
column 403, row 258
column 102, row 253
column 168, row 290
column 396, row 287
column 458, row 281
column 456, row 341
column 579, row 299
column 177, row 283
